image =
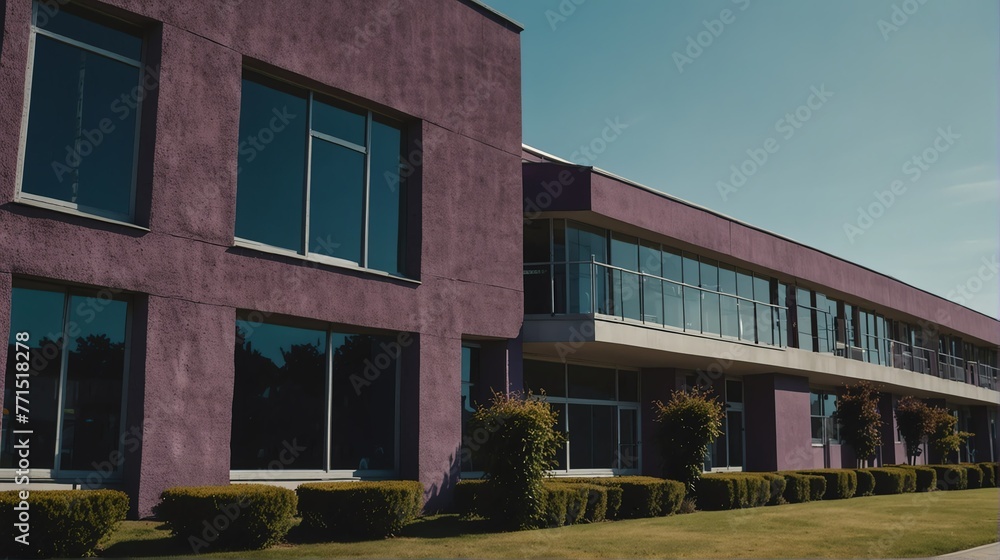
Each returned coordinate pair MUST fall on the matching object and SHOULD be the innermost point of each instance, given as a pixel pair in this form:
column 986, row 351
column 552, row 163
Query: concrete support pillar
column 184, row 392
column 777, row 422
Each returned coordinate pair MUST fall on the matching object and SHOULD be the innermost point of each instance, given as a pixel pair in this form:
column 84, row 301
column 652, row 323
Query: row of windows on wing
column 315, row 177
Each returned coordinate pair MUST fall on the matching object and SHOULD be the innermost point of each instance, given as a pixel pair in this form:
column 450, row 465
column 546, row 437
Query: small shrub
column 817, row 487
column 520, row 451
column 642, row 496
column 673, row 497
column 64, row 523
column 974, row 474
column 613, row 489
column 866, row 483
column 951, row 477
column 689, row 505
column 989, row 474
column 233, row 517
column 840, row 483
column 556, row 498
column 733, row 490
column 891, row 480
column 470, row 496
column 368, row 510
column 777, row 483
column 926, row 477
column 688, row 423
column 796, row 487
column 595, row 502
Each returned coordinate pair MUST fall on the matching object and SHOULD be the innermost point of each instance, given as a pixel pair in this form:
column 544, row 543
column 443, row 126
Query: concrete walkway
column 985, row 552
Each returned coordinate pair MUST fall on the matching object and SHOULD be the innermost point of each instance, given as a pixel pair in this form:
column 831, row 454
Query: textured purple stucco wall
column 633, row 208
column 442, row 65
column 778, row 435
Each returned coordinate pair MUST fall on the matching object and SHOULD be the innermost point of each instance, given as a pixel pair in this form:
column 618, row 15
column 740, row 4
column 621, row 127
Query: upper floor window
column 86, row 89
column 320, row 178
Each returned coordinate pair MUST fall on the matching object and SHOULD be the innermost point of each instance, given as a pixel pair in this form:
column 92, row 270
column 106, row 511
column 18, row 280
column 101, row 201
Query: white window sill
column 73, row 212
column 325, row 261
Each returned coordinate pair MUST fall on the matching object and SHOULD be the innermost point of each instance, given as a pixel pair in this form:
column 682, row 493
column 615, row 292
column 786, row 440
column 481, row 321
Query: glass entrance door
column 628, row 438
column 728, row 451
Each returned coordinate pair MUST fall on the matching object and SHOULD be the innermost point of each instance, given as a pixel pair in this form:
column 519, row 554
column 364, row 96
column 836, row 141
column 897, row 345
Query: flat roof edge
column 619, row 178
column 496, row 13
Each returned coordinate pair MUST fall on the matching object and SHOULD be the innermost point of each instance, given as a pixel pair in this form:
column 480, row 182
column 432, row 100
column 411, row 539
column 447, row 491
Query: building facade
column 287, row 242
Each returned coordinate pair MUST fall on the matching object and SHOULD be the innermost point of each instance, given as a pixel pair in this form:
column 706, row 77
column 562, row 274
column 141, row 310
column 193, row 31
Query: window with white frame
column 310, row 399
column 320, row 178
column 75, row 345
column 85, row 88
column 825, row 428
column 598, row 410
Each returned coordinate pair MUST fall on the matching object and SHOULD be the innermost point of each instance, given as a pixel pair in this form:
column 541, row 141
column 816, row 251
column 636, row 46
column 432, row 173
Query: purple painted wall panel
column 793, row 433
column 187, row 401
column 449, row 70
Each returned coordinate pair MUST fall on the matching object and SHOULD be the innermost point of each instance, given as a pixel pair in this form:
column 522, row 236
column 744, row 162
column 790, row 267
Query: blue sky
column 869, row 85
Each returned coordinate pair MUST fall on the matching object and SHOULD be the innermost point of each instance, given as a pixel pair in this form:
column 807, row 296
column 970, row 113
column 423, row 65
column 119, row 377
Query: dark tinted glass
column 92, row 420
column 672, row 265
column 592, row 436
column 386, row 196
column 345, row 124
column 762, row 289
column 363, row 430
column 549, row 377
column 709, row 275
column 336, row 192
column 40, row 314
column 559, row 240
column 650, row 259
column 591, row 383
column 624, row 252
column 585, row 241
column 744, row 284
column 730, row 317
column 81, row 136
column 628, row 386
column 76, row 24
column 279, row 397
column 536, row 241
column 272, row 164
column 691, row 269
column 727, row 279
column 710, row 314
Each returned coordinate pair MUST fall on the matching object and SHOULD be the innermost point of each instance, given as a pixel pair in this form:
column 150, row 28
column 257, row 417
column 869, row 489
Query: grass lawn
column 907, row 525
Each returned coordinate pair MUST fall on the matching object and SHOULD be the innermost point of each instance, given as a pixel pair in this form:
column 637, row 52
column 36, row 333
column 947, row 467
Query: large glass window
column 600, row 414
column 473, row 395
column 83, row 114
column 320, row 178
column 331, row 396
column 76, row 379
column 825, row 428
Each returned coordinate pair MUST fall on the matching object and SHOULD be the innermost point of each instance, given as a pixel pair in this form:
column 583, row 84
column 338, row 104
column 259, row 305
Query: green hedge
column 951, row 477
column 974, row 474
column 817, row 487
column 866, row 483
column 673, row 496
column 234, row 517
column 840, row 483
column 589, row 504
column 926, row 477
column 64, row 523
column 894, row 480
column 989, row 474
column 469, row 497
column 565, row 504
column 640, row 496
column 732, row 490
column 777, row 483
column 369, row 510
column 797, row 487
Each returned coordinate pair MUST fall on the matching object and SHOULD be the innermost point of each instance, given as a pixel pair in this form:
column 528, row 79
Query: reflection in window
column 80, row 151
column 281, row 399
column 356, row 207
column 825, row 428
column 598, row 397
column 474, row 393
column 90, row 381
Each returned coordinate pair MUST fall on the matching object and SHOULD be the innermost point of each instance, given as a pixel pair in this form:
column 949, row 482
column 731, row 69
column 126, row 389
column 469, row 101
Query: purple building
column 283, row 242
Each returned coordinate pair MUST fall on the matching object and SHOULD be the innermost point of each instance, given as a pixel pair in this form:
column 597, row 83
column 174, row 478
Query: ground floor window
column 313, row 399
column 474, row 393
column 598, row 410
column 824, row 427
column 74, row 343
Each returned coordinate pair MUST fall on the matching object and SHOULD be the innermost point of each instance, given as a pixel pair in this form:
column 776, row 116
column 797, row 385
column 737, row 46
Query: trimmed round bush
column 778, row 484
column 989, row 474
column 894, row 480
column 673, row 496
column 732, row 490
column 797, row 487
column 359, row 510
column 974, row 474
column 926, row 477
column 63, row 523
column 951, row 477
column 817, row 487
column 840, row 483
column 233, row 517
column 866, row 483
column 632, row 497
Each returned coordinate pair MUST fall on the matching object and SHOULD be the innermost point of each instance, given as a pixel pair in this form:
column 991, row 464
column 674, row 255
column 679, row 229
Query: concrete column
column 777, row 422
column 185, row 391
column 655, row 384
